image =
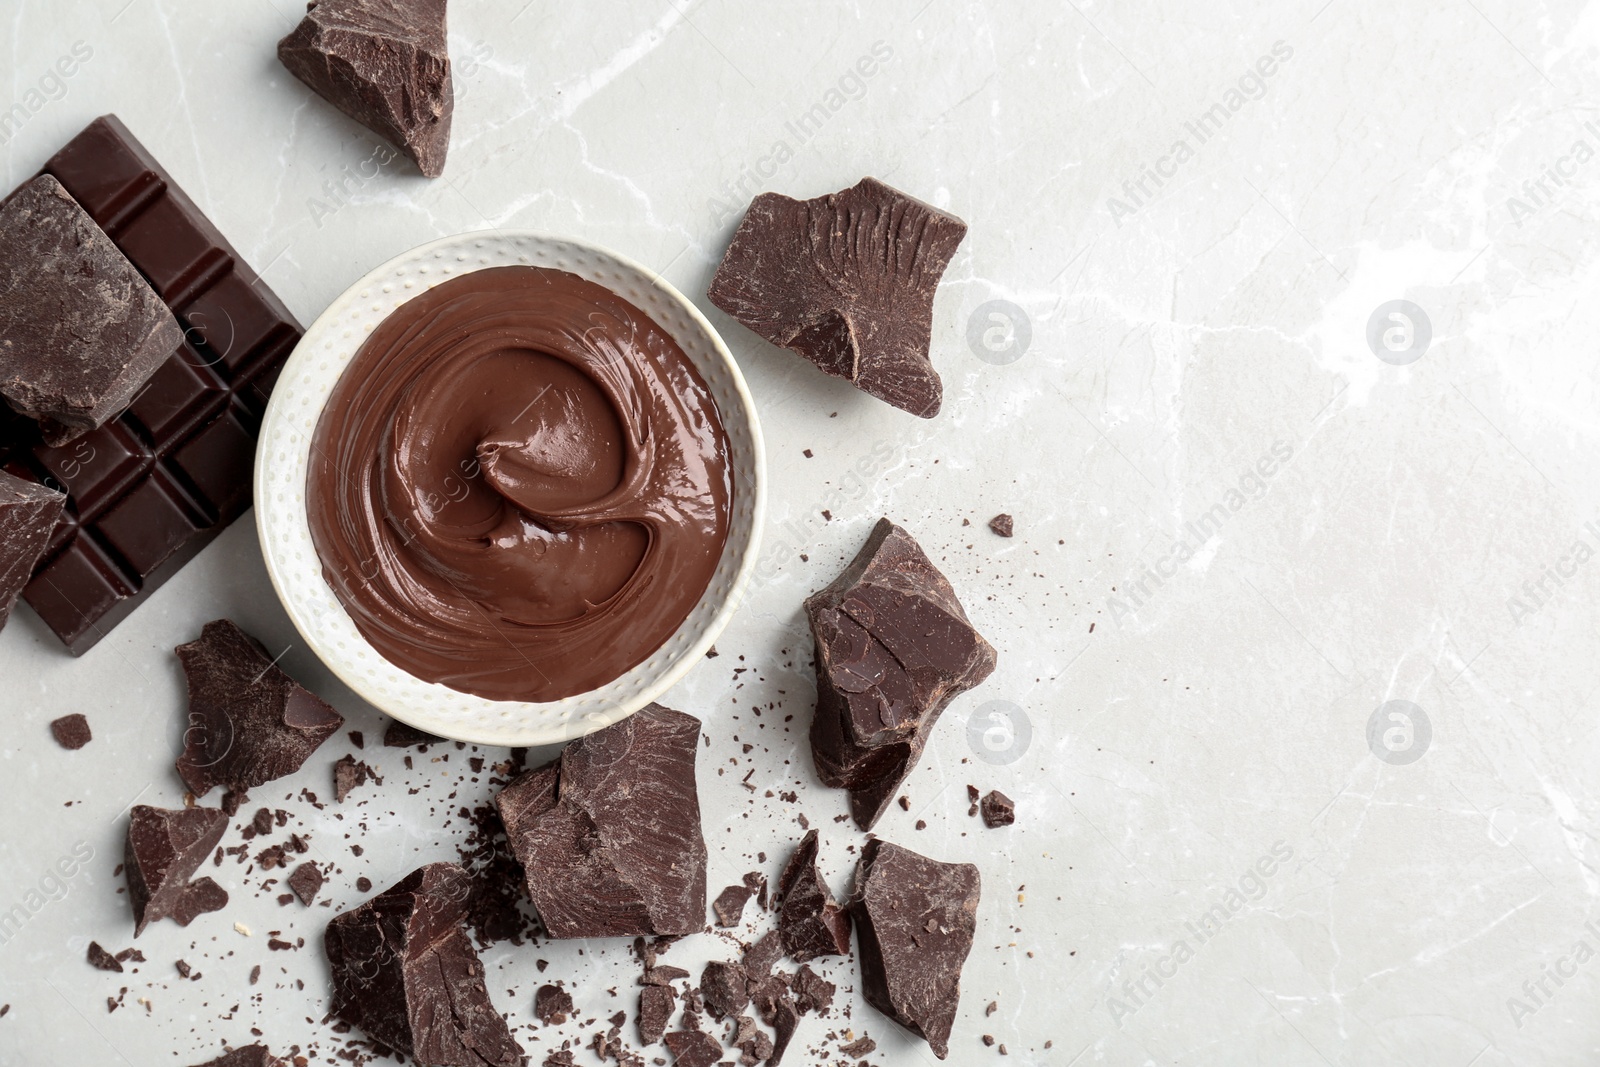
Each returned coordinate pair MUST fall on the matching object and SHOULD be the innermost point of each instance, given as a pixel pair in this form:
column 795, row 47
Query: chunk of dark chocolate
column 812, row 992
column 102, row 960
column 656, row 1004
column 998, row 809
column 348, row 773
column 28, row 513
column 249, row 1056
column 164, row 848
column 405, row 972
column 729, row 905
column 893, row 648
column 693, row 1048
column 249, row 722
column 71, row 732
column 552, row 1005
column 915, row 919
column 399, row 735
column 386, row 64
column 725, row 987
column 1002, row 525
column 306, row 882
column 609, row 835
column 846, row 280
column 810, row 921
column 80, row 329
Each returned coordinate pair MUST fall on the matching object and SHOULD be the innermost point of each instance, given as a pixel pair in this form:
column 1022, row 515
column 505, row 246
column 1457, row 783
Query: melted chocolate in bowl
column 519, row 486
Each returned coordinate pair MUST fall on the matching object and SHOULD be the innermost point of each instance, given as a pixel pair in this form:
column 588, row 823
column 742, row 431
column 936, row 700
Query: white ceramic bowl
column 280, row 497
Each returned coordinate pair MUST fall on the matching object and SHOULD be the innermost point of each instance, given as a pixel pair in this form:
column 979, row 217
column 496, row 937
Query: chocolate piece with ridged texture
column 915, row 920
column 893, row 648
column 384, row 63
column 249, row 722
column 405, row 972
column 163, row 850
column 609, row 835
column 28, row 513
column 810, row 921
column 153, row 486
column 847, row 281
column 80, row 329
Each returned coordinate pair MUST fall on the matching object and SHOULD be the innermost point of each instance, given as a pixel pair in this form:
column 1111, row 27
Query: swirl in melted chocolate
column 519, row 486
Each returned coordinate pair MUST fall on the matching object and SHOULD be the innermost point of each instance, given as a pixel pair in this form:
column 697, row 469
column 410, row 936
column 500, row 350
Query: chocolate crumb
column 71, row 732
column 1001, row 524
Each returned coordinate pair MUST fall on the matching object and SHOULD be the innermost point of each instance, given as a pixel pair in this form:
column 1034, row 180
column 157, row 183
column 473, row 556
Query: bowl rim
column 275, row 425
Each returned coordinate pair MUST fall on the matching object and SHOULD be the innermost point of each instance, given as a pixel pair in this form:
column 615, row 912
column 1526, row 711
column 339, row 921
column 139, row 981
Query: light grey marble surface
column 1241, row 533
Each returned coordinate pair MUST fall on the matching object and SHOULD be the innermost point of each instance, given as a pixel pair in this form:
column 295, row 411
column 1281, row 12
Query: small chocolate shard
column 101, row 959
column 998, row 810
column 915, row 919
column 386, row 64
column 693, row 1048
column 663, row 975
column 552, row 1004
column 164, row 848
column 847, row 281
column 249, row 722
column 893, row 647
column 405, row 972
column 812, row 992
column 348, row 773
column 1001, row 524
column 81, row 330
column 810, row 921
column 656, row 1004
column 860, row 1047
column 785, row 1021
column 399, row 735
column 71, row 732
column 306, row 882
column 28, row 513
column 249, row 1056
column 972, row 800
column 729, row 905
column 609, row 835
column 725, row 987
column 761, row 955
column 201, row 897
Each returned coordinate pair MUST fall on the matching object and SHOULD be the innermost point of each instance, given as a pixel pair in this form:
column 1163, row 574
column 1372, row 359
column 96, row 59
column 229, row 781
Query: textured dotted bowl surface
column 296, row 572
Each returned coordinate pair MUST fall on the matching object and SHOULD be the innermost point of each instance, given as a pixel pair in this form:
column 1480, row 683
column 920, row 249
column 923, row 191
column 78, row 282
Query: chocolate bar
column 152, row 487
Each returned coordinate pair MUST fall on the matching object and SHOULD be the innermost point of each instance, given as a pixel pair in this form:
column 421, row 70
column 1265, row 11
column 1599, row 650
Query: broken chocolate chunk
column 399, row 735
column 812, row 992
column 893, row 648
column 249, row 722
column 103, row 960
column 1001, row 524
column 249, row 1056
column 164, row 848
column 847, row 281
column 693, row 1048
column 306, row 882
column 201, row 897
column 552, row 1005
column 28, row 513
column 609, row 835
column 348, row 773
column 81, row 330
column 405, row 972
column 998, row 810
column 656, row 1004
column 915, row 919
column 71, row 732
column 859, row 1048
column 729, row 905
column 810, row 921
column 386, row 64
column 725, row 987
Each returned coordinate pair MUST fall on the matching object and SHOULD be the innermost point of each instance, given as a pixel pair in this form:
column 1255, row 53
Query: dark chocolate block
column 893, row 648
column 386, row 64
column 810, row 922
column 405, row 972
column 249, row 1056
column 80, row 330
column 915, row 919
column 249, row 722
column 28, row 514
column 846, row 280
column 609, row 835
column 164, row 848
column 154, row 485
